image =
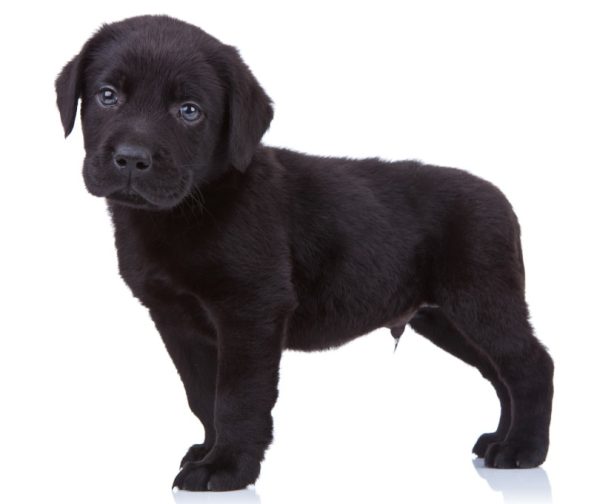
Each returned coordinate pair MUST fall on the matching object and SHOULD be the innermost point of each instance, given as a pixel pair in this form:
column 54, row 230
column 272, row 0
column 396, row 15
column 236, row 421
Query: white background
column 92, row 410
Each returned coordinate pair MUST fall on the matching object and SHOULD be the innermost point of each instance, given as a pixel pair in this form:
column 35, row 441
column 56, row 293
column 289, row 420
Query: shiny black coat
column 240, row 251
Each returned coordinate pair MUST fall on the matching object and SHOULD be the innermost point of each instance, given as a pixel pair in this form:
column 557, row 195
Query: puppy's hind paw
column 516, row 455
column 484, row 441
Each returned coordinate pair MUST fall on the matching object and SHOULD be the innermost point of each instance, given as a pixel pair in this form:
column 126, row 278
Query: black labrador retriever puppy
column 240, row 251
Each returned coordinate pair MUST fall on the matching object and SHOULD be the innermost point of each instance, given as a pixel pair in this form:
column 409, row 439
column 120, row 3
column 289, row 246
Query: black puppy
column 241, row 251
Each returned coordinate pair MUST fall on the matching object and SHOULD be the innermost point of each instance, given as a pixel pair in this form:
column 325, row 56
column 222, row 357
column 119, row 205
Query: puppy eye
column 107, row 96
column 190, row 112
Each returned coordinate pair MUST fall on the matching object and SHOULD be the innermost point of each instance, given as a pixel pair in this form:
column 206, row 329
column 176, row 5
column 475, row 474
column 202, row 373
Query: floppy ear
column 249, row 110
column 68, row 90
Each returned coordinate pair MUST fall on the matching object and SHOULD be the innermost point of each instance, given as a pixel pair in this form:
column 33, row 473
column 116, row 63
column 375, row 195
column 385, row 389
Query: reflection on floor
column 247, row 496
column 517, row 485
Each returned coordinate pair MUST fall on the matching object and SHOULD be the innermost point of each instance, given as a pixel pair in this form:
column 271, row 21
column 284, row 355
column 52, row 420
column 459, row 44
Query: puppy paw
column 484, row 441
column 516, row 455
column 218, row 475
column 195, row 454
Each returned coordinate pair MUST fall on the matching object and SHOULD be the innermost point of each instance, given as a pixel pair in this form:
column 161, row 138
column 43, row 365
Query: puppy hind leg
column 497, row 321
column 434, row 326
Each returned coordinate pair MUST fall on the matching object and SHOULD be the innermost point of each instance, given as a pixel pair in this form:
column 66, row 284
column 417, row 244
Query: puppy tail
column 519, row 251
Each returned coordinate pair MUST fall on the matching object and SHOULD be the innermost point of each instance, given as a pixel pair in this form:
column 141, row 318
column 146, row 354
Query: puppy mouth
column 137, row 190
column 130, row 198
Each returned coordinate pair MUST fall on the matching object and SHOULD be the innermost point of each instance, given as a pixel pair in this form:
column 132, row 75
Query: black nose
column 132, row 157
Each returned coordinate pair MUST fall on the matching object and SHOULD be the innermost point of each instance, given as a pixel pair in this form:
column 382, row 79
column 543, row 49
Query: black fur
column 241, row 250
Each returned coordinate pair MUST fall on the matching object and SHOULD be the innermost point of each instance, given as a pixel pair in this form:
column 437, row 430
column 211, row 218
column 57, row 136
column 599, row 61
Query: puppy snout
column 132, row 157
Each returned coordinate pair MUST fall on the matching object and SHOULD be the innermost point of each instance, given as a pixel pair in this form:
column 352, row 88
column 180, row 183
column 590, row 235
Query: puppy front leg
column 190, row 341
column 248, row 370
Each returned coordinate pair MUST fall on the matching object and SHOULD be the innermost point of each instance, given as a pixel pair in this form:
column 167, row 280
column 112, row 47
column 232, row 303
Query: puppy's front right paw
column 218, row 473
column 195, row 454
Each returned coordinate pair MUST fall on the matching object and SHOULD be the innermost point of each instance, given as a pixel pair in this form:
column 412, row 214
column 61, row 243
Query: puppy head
column 165, row 107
